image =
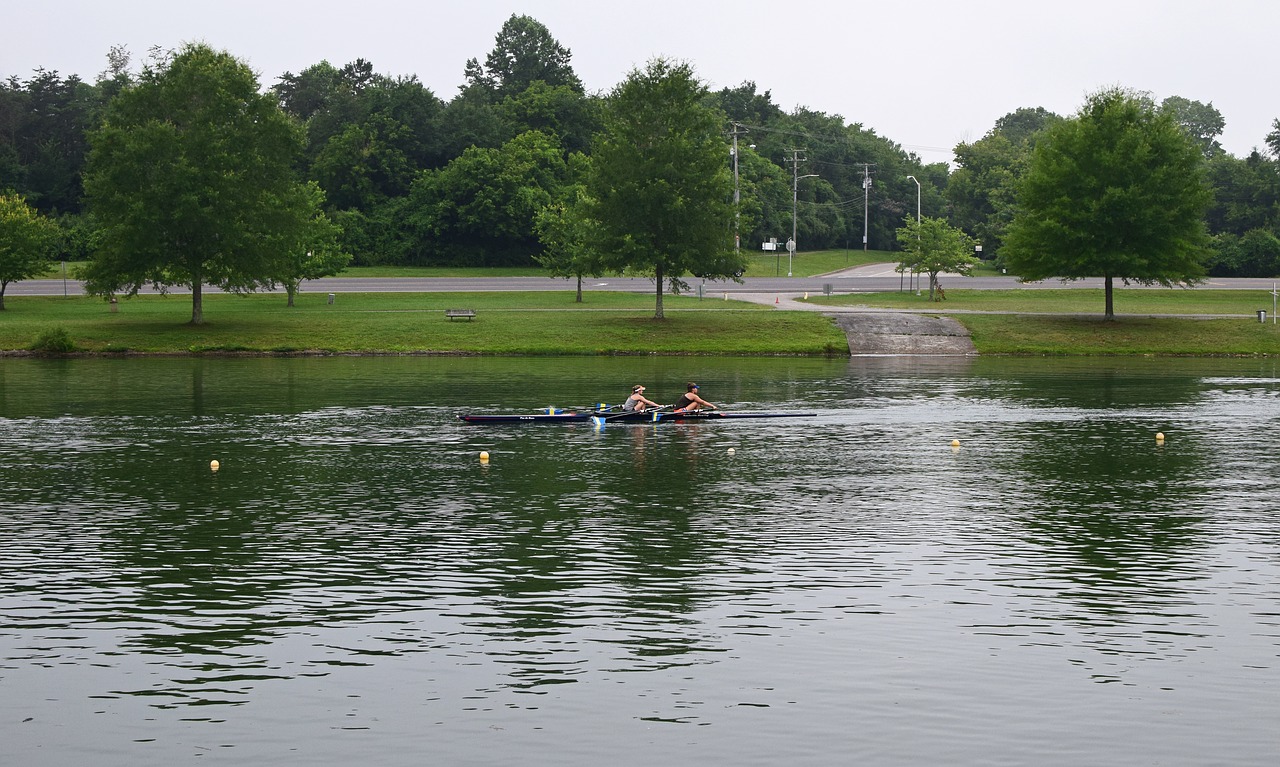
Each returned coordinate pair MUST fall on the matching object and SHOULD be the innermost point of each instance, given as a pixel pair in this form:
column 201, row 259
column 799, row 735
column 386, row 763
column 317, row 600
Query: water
column 355, row 586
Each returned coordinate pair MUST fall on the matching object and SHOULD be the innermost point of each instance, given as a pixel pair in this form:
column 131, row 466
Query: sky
column 926, row 74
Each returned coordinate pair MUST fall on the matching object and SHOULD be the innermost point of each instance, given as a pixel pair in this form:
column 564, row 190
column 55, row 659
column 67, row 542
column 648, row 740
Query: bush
column 53, row 341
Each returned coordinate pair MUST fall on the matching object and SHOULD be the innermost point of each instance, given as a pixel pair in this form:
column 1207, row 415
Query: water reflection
column 638, row 572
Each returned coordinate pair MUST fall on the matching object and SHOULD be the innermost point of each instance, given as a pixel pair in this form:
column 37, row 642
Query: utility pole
column 795, row 161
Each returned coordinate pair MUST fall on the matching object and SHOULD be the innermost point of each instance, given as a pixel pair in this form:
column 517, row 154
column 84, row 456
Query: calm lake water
column 355, row 587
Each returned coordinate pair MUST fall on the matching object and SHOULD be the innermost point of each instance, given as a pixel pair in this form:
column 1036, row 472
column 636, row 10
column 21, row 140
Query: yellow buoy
column 214, row 465
column 732, row 451
column 1159, row 436
column 484, row 456
column 955, row 443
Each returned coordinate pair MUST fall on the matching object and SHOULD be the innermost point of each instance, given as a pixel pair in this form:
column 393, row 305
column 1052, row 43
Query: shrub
column 54, row 340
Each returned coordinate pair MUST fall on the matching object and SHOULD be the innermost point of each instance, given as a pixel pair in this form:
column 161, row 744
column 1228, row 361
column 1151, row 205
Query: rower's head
column 691, row 387
column 637, row 389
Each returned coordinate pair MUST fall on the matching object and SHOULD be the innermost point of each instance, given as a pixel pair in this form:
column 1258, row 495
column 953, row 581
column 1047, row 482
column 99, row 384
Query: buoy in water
column 732, row 451
column 484, row 456
column 214, row 465
column 1159, row 436
column 955, row 443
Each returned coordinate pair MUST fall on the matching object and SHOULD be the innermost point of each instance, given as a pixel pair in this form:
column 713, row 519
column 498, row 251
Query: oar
column 604, row 419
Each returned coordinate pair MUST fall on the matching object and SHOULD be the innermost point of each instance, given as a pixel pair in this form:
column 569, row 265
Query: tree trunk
column 658, row 279
column 3, row 286
column 197, row 303
column 1111, row 310
column 579, row 300
column 291, row 288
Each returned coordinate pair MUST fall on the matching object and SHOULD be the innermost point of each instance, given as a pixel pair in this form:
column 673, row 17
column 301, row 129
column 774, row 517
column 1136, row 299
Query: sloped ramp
column 903, row 333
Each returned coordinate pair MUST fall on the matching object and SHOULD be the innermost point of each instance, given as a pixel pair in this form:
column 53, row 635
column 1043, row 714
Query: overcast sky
column 926, row 74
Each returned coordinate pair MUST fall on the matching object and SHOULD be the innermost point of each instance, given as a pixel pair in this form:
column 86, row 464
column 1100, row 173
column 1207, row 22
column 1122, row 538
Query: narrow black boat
column 667, row 416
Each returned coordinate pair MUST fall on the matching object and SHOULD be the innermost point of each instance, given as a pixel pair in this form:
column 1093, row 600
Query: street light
column 795, row 186
column 737, row 214
column 913, row 178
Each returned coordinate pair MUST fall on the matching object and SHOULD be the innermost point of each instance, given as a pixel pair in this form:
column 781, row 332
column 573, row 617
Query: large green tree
column 1116, row 192
column 660, row 189
column 26, row 238
column 192, row 180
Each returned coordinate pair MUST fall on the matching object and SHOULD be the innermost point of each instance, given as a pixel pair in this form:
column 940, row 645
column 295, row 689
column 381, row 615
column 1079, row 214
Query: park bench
column 454, row 314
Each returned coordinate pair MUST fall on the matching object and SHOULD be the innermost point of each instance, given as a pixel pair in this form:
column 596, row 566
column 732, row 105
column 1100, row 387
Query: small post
column 330, row 298
column 115, row 305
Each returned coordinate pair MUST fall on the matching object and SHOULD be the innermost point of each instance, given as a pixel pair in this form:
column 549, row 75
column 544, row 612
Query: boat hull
column 528, row 418
column 697, row 415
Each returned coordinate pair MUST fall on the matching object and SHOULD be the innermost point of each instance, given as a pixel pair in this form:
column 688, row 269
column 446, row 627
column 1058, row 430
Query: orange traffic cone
column 775, row 300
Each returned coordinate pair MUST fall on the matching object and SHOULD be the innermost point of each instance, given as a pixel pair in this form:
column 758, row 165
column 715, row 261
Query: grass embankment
column 506, row 323
column 1070, row 321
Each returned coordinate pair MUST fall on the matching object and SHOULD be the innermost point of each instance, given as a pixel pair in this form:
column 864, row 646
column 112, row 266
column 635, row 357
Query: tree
column 315, row 253
column 566, row 235
column 26, row 238
column 1203, row 123
column 480, row 209
column 660, row 190
column 191, row 178
column 983, row 188
column 932, row 246
column 1117, row 191
column 524, row 52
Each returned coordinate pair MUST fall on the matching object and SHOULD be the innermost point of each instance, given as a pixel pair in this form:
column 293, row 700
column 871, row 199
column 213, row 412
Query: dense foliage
column 411, row 177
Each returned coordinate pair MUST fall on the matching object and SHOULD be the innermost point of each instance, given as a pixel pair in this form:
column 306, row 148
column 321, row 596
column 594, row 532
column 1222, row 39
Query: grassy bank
column 1089, row 301
column 506, row 323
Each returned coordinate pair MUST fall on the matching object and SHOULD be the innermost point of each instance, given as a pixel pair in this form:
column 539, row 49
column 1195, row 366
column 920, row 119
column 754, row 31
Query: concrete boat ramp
column 883, row 331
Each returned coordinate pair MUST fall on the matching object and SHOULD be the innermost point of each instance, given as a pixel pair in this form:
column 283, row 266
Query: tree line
column 390, row 173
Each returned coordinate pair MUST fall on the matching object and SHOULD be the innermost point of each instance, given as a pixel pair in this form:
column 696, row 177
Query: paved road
column 874, row 278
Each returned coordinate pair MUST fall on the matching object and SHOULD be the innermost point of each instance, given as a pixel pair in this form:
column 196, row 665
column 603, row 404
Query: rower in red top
column 690, row 401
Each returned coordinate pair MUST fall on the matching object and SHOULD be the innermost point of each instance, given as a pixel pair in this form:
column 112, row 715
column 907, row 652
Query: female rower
column 690, row 401
column 637, row 399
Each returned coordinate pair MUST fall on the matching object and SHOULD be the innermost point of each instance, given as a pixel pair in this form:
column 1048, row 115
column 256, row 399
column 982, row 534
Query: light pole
column 913, row 178
column 795, row 186
column 737, row 213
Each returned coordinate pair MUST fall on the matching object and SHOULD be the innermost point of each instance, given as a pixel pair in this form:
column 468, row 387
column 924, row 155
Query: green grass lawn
column 1133, row 301
column 550, row 322
column 507, row 323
